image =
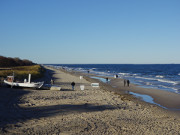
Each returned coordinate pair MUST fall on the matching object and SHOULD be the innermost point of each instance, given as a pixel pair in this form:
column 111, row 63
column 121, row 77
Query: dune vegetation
column 20, row 68
column 21, row 72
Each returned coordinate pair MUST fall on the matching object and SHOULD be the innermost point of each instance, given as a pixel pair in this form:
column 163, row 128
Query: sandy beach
column 104, row 110
column 166, row 99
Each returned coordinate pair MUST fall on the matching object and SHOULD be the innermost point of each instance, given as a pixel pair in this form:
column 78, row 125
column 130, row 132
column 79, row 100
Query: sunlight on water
column 145, row 98
column 99, row 78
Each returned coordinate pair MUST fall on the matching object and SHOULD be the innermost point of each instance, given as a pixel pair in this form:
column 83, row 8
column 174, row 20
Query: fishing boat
column 10, row 81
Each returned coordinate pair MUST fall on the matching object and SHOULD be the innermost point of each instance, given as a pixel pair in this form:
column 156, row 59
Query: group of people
column 115, row 76
column 126, row 82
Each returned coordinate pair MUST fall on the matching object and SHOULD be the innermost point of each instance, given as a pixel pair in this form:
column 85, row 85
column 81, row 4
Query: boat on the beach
column 10, row 81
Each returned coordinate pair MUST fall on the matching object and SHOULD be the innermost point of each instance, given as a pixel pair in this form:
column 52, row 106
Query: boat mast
column 29, row 79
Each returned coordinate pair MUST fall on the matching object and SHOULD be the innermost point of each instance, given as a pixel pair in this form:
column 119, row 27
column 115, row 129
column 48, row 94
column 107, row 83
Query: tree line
column 13, row 62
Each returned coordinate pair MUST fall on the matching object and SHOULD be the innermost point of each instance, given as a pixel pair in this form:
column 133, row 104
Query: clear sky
column 91, row 31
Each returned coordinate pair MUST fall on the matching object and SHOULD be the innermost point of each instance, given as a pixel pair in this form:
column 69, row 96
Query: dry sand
column 91, row 111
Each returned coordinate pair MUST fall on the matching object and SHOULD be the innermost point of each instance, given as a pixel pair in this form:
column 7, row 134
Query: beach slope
column 90, row 111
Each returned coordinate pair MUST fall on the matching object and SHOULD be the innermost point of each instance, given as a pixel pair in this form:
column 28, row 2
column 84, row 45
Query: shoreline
column 169, row 100
column 160, row 97
column 147, row 77
column 164, row 99
column 102, row 110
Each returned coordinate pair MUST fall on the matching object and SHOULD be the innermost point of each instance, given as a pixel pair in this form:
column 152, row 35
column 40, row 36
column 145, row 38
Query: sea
column 159, row 76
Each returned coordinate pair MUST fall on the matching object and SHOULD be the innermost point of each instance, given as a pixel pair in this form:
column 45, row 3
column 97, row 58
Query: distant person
column 116, row 76
column 52, row 81
column 125, row 82
column 73, row 84
column 107, row 79
column 128, row 82
column 88, row 71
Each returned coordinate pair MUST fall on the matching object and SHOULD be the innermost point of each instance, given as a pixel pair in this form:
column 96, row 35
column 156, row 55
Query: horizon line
column 112, row 63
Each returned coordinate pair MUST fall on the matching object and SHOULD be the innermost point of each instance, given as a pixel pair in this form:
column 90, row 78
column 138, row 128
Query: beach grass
column 21, row 72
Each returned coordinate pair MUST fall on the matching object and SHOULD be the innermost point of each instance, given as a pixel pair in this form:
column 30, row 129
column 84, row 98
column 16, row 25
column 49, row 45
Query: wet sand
column 104, row 110
column 167, row 99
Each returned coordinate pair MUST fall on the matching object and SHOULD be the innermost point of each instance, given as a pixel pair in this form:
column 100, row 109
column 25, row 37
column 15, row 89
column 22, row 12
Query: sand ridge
column 92, row 111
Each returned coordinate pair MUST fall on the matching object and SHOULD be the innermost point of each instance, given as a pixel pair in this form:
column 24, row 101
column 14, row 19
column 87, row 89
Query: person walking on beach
column 125, row 82
column 73, row 84
column 107, row 79
column 52, row 81
column 128, row 82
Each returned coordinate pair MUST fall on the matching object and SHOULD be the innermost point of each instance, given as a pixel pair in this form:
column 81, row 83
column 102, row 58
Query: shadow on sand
column 11, row 113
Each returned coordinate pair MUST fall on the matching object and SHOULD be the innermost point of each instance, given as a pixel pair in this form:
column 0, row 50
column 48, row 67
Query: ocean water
column 159, row 76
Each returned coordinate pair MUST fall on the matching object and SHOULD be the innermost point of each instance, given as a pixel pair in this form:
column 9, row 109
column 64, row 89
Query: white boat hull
column 26, row 84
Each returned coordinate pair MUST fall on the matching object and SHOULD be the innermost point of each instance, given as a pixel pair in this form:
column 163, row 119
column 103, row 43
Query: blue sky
column 91, row 31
